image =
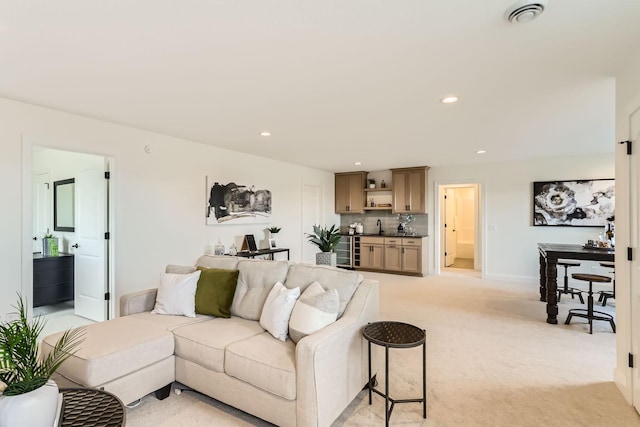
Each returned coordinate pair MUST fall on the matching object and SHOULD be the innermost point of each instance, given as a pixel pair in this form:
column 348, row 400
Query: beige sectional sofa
column 234, row 359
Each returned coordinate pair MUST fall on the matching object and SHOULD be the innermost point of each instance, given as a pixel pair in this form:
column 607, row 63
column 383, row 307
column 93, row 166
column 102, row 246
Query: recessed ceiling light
column 481, row 151
column 265, row 133
column 358, row 163
column 449, row 99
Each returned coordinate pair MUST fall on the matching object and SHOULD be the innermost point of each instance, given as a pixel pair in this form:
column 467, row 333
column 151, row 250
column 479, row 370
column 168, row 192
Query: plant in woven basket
column 21, row 368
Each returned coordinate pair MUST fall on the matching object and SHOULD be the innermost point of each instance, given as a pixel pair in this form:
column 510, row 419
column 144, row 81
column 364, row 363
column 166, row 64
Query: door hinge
column 445, row 254
column 107, row 296
column 445, row 197
column 107, row 175
column 628, row 146
column 107, row 235
column 630, row 360
column 445, row 226
column 629, row 254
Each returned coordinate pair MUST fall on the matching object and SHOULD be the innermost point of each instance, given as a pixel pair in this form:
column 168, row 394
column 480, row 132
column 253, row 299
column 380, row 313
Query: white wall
column 506, row 190
column 159, row 199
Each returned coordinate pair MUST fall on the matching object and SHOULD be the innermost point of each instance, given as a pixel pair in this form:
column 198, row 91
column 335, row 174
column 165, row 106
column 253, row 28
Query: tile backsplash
column 389, row 222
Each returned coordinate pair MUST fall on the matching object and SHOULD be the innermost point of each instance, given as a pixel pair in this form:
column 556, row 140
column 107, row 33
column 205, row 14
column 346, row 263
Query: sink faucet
column 379, row 224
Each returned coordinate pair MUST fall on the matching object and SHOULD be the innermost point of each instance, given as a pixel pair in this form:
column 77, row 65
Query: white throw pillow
column 315, row 309
column 277, row 310
column 177, row 294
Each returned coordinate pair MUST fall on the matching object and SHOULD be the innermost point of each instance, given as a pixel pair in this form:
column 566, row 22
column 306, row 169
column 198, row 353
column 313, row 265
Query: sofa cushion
column 204, row 343
column 277, row 310
column 176, row 294
column 255, row 281
column 315, row 309
column 179, row 269
column 264, row 362
column 215, row 291
column 114, row 349
column 344, row 281
column 169, row 323
column 218, row 261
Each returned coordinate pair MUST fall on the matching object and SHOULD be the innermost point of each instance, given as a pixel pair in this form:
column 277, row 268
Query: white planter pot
column 326, row 258
column 36, row 408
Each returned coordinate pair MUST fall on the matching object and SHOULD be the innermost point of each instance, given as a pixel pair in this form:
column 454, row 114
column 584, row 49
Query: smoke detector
column 525, row 11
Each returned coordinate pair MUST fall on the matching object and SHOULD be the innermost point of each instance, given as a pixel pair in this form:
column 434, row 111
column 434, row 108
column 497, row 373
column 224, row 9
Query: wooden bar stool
column 604, row 295
column 590, row 314
column 566, row 289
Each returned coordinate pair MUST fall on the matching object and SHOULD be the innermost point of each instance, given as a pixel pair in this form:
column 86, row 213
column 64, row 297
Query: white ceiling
column 335, row 81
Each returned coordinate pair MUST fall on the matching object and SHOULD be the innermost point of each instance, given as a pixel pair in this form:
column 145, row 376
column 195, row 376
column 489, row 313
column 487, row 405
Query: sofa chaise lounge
column 234, row 359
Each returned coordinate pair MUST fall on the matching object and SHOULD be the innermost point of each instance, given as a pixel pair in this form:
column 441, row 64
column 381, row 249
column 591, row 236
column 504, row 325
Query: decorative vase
column 326, row 258
column 36, row 408
column 50, row 246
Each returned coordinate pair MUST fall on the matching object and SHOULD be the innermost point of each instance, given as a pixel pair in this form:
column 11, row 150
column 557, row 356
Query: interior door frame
column 28, row 146
column 479, row 244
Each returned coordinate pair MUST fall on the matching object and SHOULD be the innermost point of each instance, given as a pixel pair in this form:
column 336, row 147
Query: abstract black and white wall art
column 233, row 203
column 585, row 203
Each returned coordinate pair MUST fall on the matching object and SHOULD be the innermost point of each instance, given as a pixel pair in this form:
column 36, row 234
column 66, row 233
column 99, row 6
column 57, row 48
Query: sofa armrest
column 138, row 302
column 331, row 364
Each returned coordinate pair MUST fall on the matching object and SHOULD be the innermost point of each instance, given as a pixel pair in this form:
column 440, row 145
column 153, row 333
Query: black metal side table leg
column 387, row 415
column 369, row 383
column 424, row 379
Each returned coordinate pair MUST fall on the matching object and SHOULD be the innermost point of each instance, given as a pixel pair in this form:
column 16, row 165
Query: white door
column 90, row 248
column 634, row 242
column 450, row 237
column 41, row 209
column 310, row 215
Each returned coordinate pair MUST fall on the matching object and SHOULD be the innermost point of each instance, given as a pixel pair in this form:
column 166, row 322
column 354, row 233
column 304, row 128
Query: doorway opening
column 70, row 286
column 460, row 229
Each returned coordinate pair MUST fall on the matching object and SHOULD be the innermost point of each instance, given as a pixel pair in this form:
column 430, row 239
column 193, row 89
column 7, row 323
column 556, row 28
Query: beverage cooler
column 344, row 252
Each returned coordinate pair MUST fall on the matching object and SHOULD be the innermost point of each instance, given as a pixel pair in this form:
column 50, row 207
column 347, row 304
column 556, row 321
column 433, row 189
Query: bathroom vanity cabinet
column 52, row 279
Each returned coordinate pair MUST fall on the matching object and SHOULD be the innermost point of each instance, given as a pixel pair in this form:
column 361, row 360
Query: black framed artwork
column 578, row 203
column 233, row 203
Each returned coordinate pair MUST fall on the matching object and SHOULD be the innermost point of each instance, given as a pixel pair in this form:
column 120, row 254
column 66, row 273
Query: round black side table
column 395, row 335
column 89, row 407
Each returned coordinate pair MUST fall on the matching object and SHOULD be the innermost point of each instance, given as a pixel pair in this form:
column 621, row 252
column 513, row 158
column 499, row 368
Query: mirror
column 64, row 205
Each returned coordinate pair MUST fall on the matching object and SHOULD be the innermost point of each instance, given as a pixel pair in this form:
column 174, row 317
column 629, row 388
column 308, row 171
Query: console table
column 270, row 252
column 89, row 407
column 549, row 255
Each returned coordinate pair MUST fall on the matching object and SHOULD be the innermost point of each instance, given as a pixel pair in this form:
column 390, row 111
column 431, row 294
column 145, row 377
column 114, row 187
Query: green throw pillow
column 215, row 291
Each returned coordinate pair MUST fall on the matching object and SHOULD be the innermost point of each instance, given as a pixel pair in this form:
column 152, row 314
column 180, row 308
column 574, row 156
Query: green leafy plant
column 324, row 238
column 48, row 236
column 274, row 229
column 21, row 368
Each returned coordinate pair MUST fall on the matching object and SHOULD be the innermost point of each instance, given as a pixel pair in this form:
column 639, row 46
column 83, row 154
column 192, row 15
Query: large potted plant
column 326, row 240
column 28, row 397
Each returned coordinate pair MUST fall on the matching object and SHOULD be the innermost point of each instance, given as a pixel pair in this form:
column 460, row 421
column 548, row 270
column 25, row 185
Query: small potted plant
column 326, row 240
column 25, row 381
column 273, row 230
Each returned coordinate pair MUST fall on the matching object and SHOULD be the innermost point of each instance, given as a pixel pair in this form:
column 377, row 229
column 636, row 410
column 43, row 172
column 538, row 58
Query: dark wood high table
column 549, row 255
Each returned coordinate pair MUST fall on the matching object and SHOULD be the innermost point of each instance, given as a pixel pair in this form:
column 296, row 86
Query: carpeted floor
column 492, row 361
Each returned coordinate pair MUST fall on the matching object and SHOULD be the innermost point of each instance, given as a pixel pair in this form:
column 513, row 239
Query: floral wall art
column 586, row 203
column 233, row 203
